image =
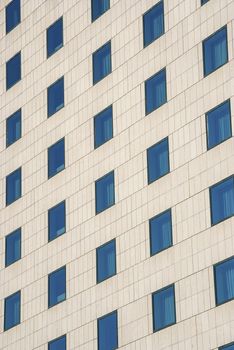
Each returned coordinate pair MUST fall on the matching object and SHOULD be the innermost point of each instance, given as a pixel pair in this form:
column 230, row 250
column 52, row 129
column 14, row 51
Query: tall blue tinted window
column 13, row 70
column 13, row 186
column 224, row 281
column 13, row 247
column 58, row 344
column 12, row 311
column 12, row 15
column 215, row 51
column 155, row 91
column 160, row 232
column 106, row 261
column 102, row 63
column 105, row 192
column 56, row 158
column 158, row 160
column 103, row 127
column 108, row 332
column 153, row 23
column 55, row 37
column 13, row 128
column 55, row 97
column 57, row 286
column 218, row 124
column 99, row 7
column 227, row 347
column 57, row 220
column 222, row 200
column 164, row 314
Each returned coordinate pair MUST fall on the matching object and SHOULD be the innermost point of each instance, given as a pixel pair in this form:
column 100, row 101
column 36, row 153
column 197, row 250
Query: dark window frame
column 104, row 316
column 143, row 17
column 8, row 87
column 102, row 177
column 60, row 337
column 5, row 300
column 93, row 54
column 203, row 2
column 168, row 156
column 206, row 119
column 54, row 144
column 47, row 41
column 215, row 282
column 50, row 274
column 97, row 264
column 7, row 120
column 226, row 346
column 6, row 9
column 50, row 86
column 93, row 18
column 166, row 100
column 48, row 218
column 6, row 246
column 94, row 126
column 20, row 168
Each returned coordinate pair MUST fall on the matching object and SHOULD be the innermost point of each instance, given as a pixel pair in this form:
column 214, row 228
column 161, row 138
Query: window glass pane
column 218, row 124
column 222, row 200
column 204, row 2
column 55, row 37
column 155, row 90
column 13, row 128
column 13, row 247
column 105, row 195
column 13, row 70
column 103, row 127
column 55, row 97
column 158, row 160
column 215, row 51
column 160, row 232
column 12, row 311
column 153, row 22
column 106, row 261
column 12, row 15
column 56, row 158
column 13, row 186
column 164, row 308
column 224, row 281
column 227, row 347
column 58, row 344
column 107, row 332
column 57, row 286
column 102, row 62
column 57, row 221
column 99, row 7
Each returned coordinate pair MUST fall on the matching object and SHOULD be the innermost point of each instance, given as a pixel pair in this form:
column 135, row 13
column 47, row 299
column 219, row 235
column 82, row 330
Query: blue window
column 224, row 281
column 103, row 127
column 13, row 186
column 12, row 15
column 106, row 261
column 153, row 23
column 12, row 311
column 222, row 200
column 57, row 220
column 56, row 158
column 218, row 124
column 108, row 332
column 13, row 70
column 102, row 62
column 57, row 286
column 215, row 51
column 55, row 37
column 164, row 313
column 13, row 247
column 227, row 347
column 13, row 128
column 204, row 2
column 99, row 7
column 58, row 344
column 55, row 97
column 158, row 160
column 160, row 232
column 105, row 192
column 155, row 91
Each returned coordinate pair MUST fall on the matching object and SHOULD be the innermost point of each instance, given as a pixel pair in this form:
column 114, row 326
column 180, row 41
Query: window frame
column 20, row 169
column 215, row 282
column 102, row 317
column 5, row 301
column 49, row 211
column 7, row 7
column 93, row 65
column 93, row 19
column 206, row 121
column 49, row 283
column 210, row 197
column 47, row 36
column 203, row 50
column 150, row 235
column 6, row 246
column 102, row 177
column 7, row 120
column 203, row 2
column 48, row 159
column 48, row 88
column 153, row 313
column 58, row 338
column 145, row 89
column 143, row 21
column 97, row 264
column 226, row 346
column 168, row 157
column 8, row 87
column 94, row 126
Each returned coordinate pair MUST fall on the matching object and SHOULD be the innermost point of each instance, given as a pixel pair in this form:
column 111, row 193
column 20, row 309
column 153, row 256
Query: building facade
column 117, row 174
